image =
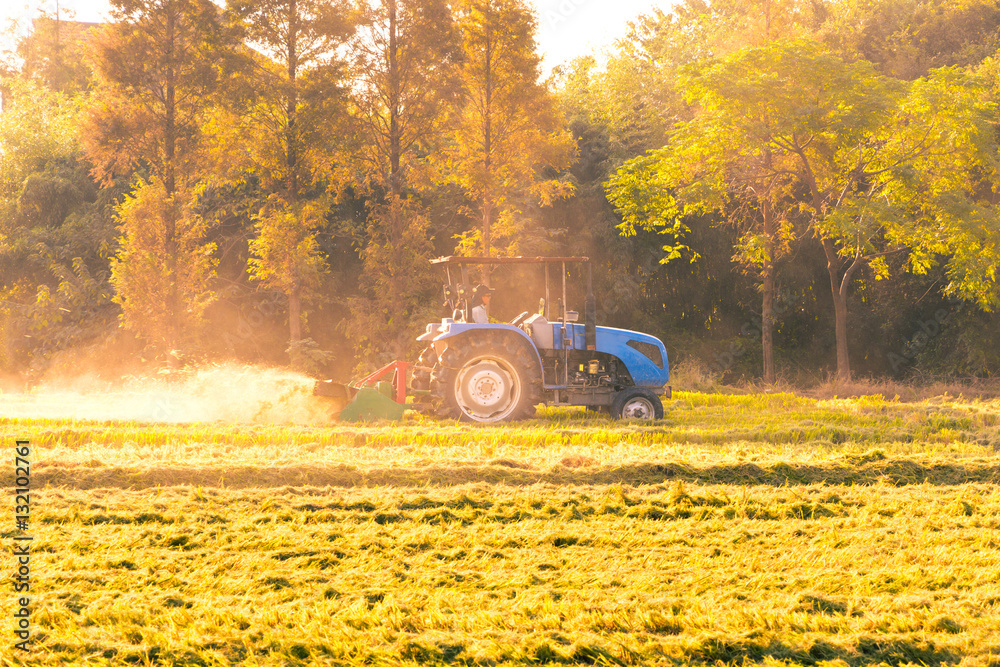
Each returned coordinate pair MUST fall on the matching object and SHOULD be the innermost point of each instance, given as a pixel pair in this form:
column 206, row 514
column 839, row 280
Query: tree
column 37, row 129
column 293, row 99
column 403, row 60
column 508, row 128
column 288, row 111
column 144, row 282
column 912, row 179
column 285, row 255
column 937, row 165
column 874, row 166
column 157, row 66
column 721, row 162
column 906, row 39
column 639, row 99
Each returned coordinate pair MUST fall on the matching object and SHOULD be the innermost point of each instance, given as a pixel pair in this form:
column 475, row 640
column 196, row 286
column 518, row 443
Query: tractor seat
column 540, row 330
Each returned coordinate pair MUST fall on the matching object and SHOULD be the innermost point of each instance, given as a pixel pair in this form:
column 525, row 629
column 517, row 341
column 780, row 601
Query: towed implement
column 496, row 372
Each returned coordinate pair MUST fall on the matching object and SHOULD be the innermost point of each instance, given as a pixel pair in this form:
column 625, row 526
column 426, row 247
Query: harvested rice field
column 742, row 529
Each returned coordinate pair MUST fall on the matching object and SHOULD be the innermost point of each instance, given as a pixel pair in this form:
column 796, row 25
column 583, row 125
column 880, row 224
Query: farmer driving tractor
column 480, row 304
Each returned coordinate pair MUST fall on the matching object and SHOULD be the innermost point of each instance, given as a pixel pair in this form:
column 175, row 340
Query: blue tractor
column 498, row 372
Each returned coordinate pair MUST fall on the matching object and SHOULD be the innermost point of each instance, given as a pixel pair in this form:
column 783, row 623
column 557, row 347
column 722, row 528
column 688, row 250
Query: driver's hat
column 482, row 290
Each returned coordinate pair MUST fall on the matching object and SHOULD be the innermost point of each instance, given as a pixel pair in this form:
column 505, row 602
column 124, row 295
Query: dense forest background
column 777, row 189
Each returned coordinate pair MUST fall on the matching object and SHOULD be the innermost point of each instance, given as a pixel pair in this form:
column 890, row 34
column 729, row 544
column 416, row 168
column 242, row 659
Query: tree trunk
column 838, row 285
column 843, row 360
column 767, row 323
column 291, row 163
column 838, row 288
column 291, row 109
column 395, row 154
column 295, row 327
column 295, row 315
column 487, row 223
column 488, row 154
column 170, row 187
column 767, row 307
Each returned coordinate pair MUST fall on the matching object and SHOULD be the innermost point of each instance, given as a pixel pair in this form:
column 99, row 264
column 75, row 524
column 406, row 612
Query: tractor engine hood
column 644, row 355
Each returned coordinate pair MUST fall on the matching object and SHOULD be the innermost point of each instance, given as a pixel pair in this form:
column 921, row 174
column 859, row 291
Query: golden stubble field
column 765, row 528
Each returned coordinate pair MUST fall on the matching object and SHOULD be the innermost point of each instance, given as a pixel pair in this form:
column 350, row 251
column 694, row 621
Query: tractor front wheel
column 636, row 403
column 488, row 381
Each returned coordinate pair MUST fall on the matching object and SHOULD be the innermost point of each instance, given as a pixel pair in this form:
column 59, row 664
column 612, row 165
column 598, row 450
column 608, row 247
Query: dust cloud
column 227, row 393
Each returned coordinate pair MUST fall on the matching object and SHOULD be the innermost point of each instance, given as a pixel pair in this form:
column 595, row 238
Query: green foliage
column 643, row 197
column 46, row 200
column 55, row 233
column 949, row 120
column 308, row 357
column 285, row 116
column 400, row 282
column 403, row 71
column 285, row 256
column 740, row 150
column 37, row 129
column 157, row 65
column 77, row 289
column 872, row 164
column 401, row 98
column 284, row 253
column 821, row 133
column 76, row 311
column 163, row 303
column 635, row 98
column 908, row 38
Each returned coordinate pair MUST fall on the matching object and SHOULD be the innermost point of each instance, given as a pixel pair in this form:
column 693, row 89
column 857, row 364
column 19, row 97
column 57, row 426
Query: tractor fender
column 454, row 329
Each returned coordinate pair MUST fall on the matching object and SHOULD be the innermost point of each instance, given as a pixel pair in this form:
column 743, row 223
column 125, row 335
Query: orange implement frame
column 398, row 370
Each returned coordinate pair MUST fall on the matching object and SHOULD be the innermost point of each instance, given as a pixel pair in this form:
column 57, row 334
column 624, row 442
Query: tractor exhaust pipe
column 590, row 313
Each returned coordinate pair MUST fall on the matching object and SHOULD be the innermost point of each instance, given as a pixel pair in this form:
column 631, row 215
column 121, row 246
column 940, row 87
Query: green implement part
column 371, row 404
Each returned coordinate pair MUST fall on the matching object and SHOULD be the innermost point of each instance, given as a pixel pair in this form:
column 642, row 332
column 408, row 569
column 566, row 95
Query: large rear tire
column 488, row 379
column 637, row 403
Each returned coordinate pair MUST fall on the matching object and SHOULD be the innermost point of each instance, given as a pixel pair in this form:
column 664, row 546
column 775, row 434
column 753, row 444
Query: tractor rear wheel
column 636, row 403
column 488, row 380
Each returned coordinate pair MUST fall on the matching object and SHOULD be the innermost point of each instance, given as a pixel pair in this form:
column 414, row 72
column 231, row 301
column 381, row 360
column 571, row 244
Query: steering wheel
column 520, row 318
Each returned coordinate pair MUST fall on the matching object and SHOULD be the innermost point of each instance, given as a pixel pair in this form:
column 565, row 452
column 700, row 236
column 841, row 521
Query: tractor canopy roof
column 452, row 260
